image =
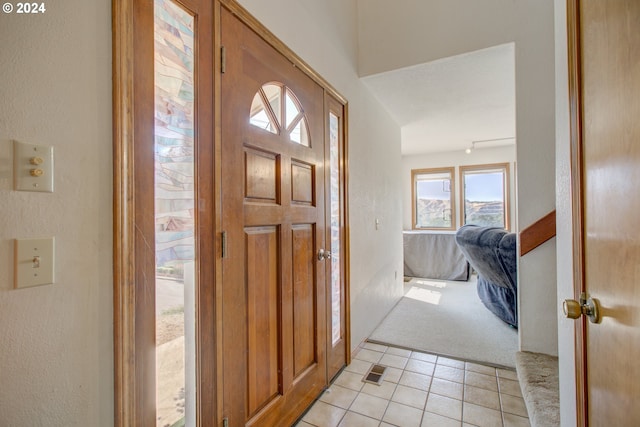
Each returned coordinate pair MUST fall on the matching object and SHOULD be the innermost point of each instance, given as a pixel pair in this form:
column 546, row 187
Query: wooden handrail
column 538, row 233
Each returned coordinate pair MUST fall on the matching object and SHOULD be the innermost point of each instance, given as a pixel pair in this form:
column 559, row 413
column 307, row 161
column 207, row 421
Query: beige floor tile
column 510, row 387
column 487, row 382
column 368, row 405
column 375, row 347
column 481, row 397
column 393, row 375
column 358, row 366
column 445, row 361
column 384, row 390
column 369, row 355
column 349, row 380
column 508, row 374
column 426, row 357
column 339, row 396
column 415, row 380
column 445, row 406
column 451, row 393
column 511, row 420
column 481, row 416
column 449, row 373
column 446, row 388
column 353, row 419
column 402, row 415
column 481, row 369
column 430, row 419
column 513, row 405
column 399, row 352
column 410, row 396
column 393, row 361
column 420, row 366
column 325, row 415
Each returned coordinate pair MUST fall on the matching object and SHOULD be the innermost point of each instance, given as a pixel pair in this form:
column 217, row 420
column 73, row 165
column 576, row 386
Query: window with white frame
column 433, row 198
column 485, row 195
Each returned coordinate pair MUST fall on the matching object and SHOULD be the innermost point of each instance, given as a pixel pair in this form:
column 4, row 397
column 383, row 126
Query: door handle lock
column 322, row 255
column 587, row 306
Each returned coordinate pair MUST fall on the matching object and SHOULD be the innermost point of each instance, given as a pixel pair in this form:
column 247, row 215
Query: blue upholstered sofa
column 491, row 252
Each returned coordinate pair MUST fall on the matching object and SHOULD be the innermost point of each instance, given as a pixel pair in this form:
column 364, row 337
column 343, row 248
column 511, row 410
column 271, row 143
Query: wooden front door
column 273, row 216
column 606, row 132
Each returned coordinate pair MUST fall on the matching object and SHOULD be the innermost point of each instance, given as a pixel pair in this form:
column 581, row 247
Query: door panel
column 262, row 315
column 304, row 297
column 608, row 155
column 273, row 292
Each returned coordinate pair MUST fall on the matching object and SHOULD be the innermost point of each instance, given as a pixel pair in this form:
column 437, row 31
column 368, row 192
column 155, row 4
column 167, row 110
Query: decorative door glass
column 336, row 249
column 174, row 214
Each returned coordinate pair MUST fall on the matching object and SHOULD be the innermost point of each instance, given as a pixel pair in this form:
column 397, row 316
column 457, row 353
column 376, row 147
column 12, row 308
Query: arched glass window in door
column 276, row 109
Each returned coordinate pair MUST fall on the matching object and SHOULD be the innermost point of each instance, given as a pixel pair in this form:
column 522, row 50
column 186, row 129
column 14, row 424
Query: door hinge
column 223, row 59
column 224, row 244
column 225, row 422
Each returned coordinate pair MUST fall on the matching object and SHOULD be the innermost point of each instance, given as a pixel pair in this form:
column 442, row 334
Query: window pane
column 259, row 116
column 291, row 109
column 433, row 200
column 174, row 220
column 334, row 170
column 273, row 93
column 484, row 202
column 299, row 133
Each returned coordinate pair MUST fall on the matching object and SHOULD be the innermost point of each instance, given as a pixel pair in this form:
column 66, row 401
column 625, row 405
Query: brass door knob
column 588, row 306
column 572, row 309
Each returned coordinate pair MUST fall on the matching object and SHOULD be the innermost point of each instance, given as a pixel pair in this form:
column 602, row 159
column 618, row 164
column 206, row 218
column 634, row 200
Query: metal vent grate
column 375, row 375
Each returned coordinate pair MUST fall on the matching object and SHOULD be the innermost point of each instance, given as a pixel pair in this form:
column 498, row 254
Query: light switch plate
column 34, row 262
column 32, row 167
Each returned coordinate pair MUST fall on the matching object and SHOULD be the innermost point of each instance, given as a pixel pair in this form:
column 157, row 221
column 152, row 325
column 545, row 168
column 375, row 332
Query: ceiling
column 447, row 104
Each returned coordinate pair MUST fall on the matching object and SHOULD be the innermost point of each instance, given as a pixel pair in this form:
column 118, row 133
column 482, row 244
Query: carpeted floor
column 448, row 318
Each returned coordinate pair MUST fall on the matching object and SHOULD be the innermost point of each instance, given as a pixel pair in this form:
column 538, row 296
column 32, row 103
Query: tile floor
column 419, row 390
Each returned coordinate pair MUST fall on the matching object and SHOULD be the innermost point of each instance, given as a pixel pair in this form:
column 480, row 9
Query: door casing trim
column 577, row 195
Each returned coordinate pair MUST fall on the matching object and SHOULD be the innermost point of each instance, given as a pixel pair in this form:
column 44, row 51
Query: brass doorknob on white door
column 587, row 306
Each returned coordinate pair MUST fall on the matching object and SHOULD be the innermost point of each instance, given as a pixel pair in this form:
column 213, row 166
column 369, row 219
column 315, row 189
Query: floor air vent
column 375, row 375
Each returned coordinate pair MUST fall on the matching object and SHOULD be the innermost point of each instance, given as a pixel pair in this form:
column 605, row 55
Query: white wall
column 56, row 357
column 324, row 35
column 564, row 222
column 481, row 156
column 535, row 130
column 407, row 32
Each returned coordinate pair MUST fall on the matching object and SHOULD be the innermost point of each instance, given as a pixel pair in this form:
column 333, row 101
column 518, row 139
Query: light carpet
column 448, row 318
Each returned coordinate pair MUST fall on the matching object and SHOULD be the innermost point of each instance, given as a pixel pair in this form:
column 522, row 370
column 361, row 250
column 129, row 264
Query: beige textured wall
column 56, row 351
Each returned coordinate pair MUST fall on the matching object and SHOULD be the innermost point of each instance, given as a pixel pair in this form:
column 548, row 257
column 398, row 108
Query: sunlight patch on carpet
column 424, row 295
column 432, row 283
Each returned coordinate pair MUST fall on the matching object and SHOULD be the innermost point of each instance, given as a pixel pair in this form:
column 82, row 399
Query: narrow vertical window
column 336, row 284
column 174, row 214
column 485, row 195
column 432, row 196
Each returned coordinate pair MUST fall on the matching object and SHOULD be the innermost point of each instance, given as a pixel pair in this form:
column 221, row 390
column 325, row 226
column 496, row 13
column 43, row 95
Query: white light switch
column 33, row 167
column 34, row 261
